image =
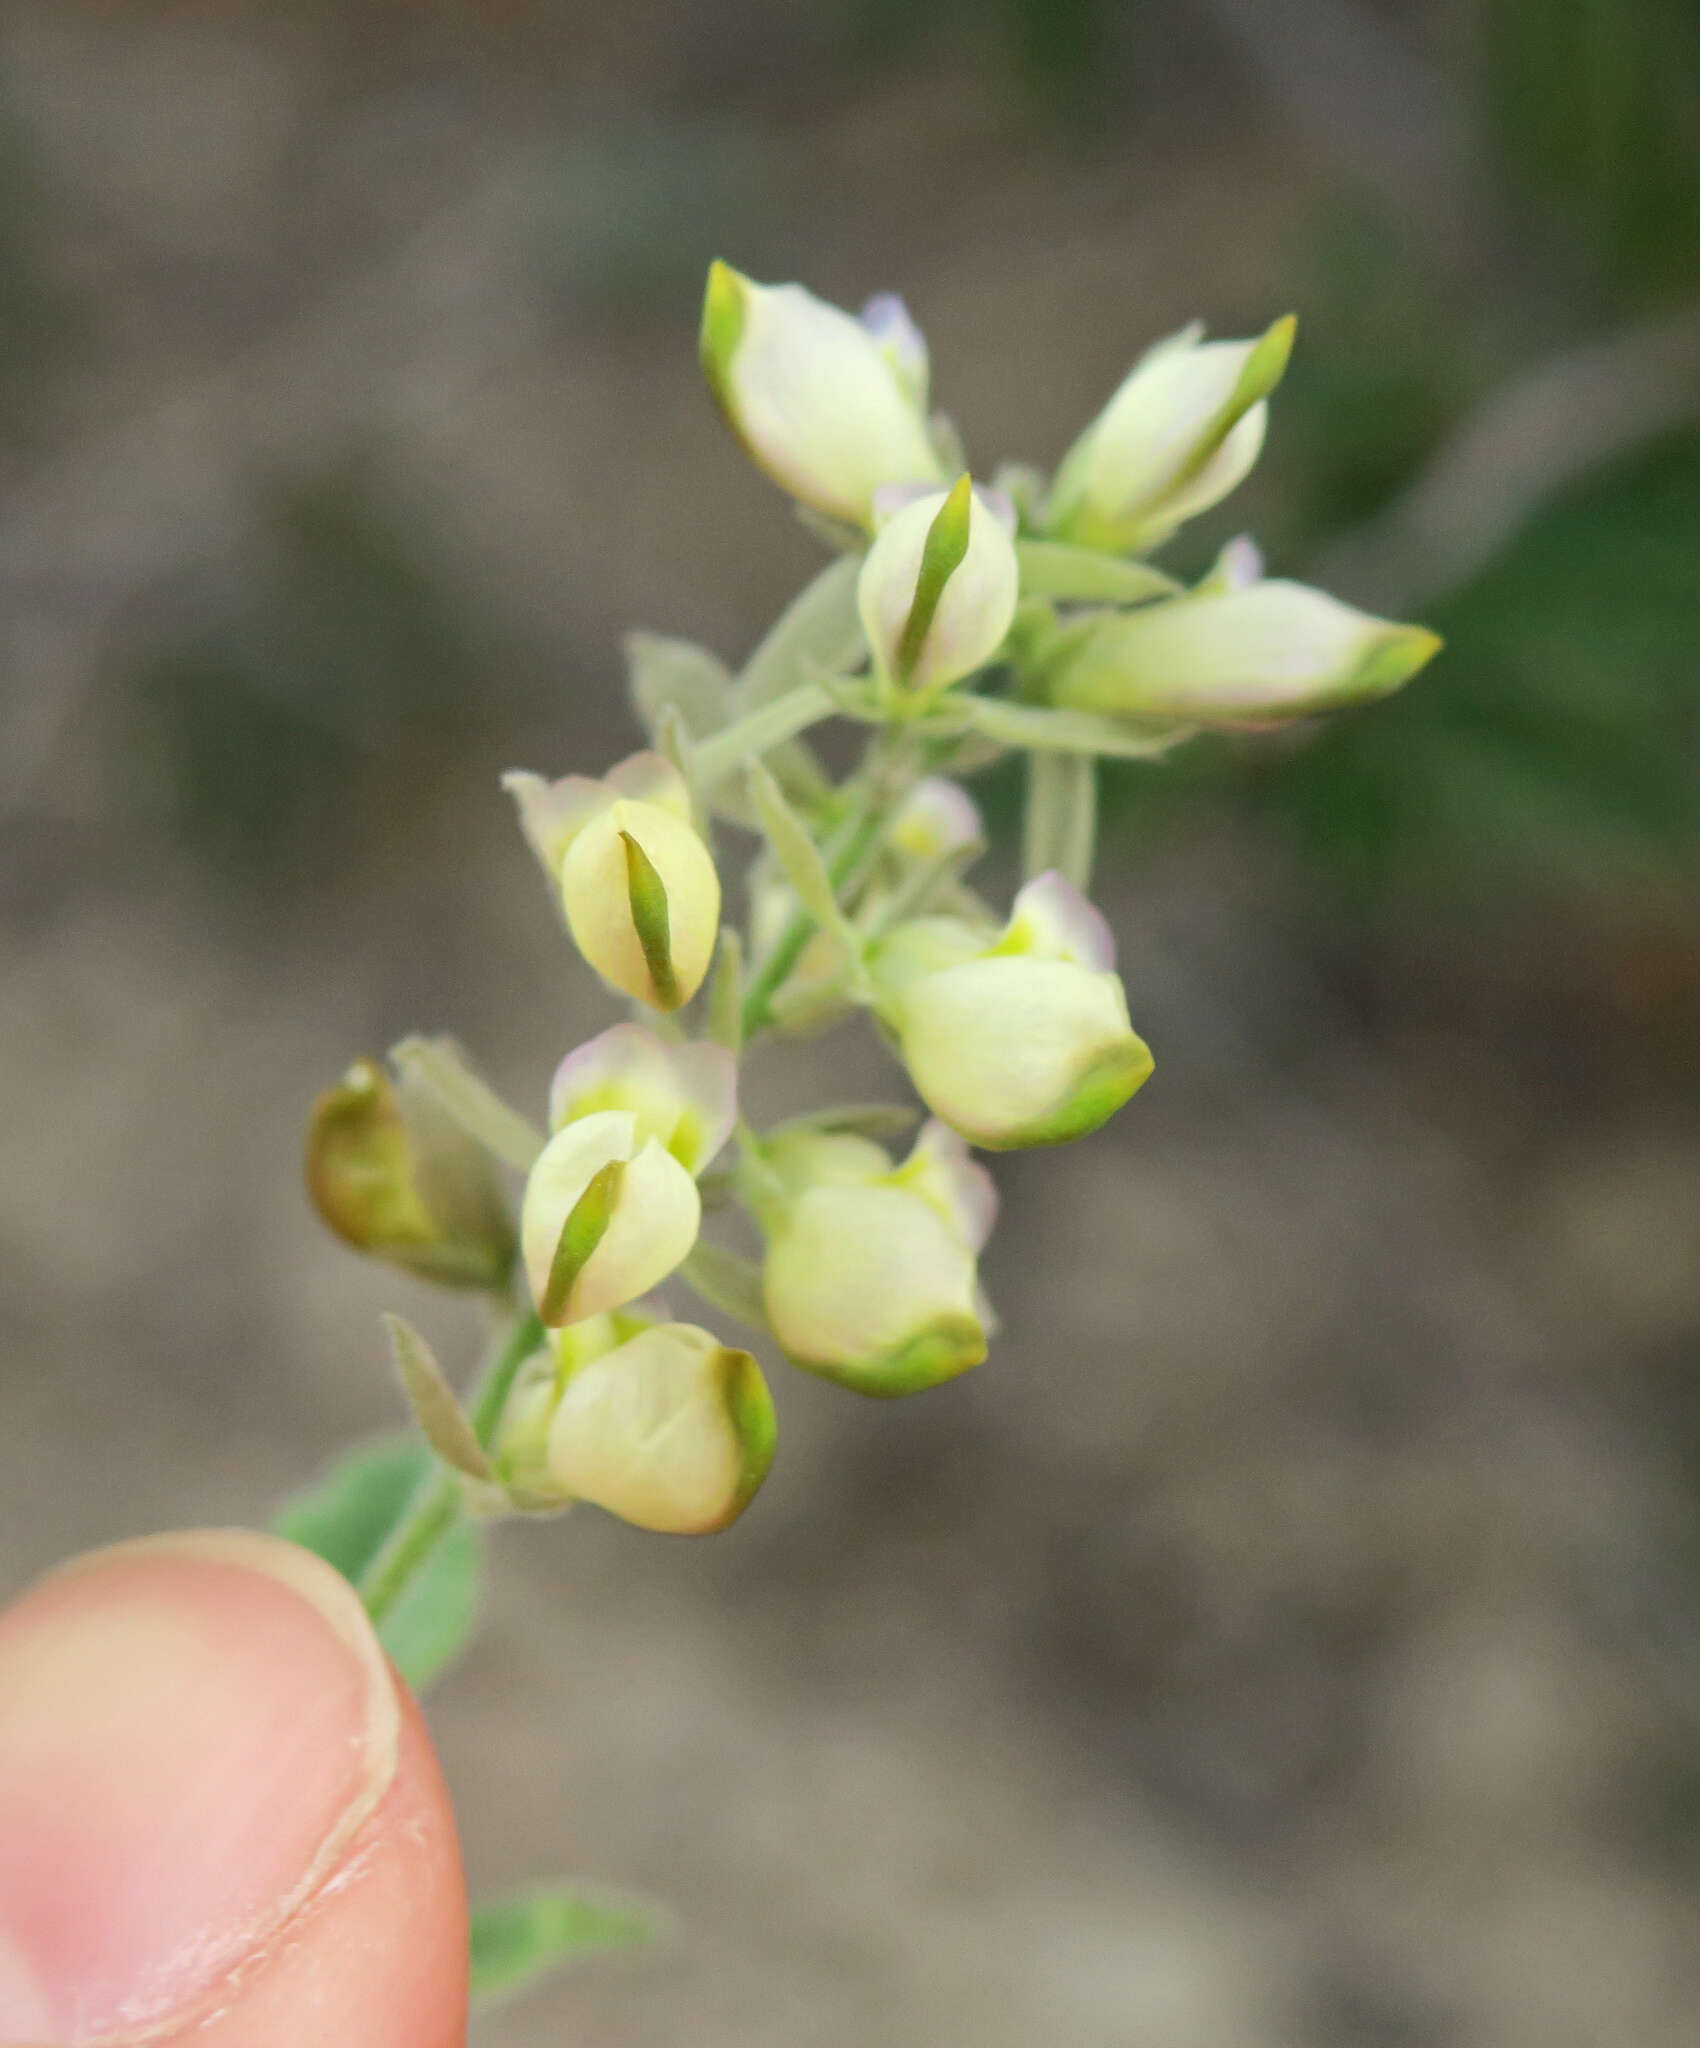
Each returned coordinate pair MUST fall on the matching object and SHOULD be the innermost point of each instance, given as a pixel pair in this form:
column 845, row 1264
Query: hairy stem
column 436, row 1506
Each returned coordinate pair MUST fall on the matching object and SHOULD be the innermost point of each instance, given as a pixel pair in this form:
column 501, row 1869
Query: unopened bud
column 638, row 885
column 1184, row 430
column 831, row 408
column 870, row 1278
column 938, row 817
column 1019, row 1039
column 394, row 1176
column 607, row 1215
column 938, row 589
column 670, row 1430
column 683, row 1096
column 1258, row 655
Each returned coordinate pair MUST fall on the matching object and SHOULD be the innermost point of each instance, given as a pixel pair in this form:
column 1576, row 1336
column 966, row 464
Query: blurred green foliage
column 1591, row 111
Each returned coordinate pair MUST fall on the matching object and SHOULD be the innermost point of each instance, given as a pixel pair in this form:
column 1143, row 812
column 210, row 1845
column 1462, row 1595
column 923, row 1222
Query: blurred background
column 1290, row 1639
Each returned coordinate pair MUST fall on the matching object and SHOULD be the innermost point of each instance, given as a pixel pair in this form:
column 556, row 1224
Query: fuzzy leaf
column 435, row 1408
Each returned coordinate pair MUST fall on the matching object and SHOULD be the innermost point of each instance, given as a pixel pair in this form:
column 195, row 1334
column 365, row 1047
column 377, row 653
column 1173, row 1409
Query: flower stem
column 436, row 1506
column 890, row 770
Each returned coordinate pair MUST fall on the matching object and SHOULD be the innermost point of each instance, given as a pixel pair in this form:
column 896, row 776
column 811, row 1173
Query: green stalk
column 770, row 977
column 436, row 1506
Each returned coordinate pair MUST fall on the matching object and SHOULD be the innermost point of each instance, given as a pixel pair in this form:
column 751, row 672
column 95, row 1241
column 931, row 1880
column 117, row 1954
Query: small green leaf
column 647, row 894
column 819, row 630
column 804, row 865
column 1053, row 568
column 346, row 1518
column 439, row 1065
column 1068, row 732
column 432, row 1399
column 1061, row 826
column 520, row 1939
column 664, row 674
column 586, row 1226
column 941, row 556
column 726, row 1281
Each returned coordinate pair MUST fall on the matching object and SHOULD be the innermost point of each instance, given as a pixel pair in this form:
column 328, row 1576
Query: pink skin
column 221, row 1820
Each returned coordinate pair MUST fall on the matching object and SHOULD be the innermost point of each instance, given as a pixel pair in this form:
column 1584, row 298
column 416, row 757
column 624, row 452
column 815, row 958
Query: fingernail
column 193, row 1728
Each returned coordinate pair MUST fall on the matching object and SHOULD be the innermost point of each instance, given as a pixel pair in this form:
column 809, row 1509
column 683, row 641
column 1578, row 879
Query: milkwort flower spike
column 1014, row 1032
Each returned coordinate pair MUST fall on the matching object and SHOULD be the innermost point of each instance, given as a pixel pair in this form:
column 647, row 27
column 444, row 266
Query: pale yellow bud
column 607, row 1215
column 1019, row 1040
column 685, row 1096
column 870, row 1271
column 670, row 1430
column 1183, row 430
column 642, row 900
column 1257, row 655
column 830, row 408
column 938, row 589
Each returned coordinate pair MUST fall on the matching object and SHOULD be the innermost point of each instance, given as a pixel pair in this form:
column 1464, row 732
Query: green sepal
column 435, row 1408
column 755, row 1424
column 941, row 1351
column 647, row 895
column 439, row 1065
column 586, row 1226
column 722, row 328
column 941, row 556
column 1094, row 1098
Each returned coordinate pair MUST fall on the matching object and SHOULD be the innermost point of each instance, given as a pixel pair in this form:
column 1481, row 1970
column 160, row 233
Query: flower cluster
column 957, row 621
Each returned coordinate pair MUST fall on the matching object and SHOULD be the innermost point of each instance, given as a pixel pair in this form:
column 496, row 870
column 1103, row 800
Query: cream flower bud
column 394, row 1176
column 607, row 1215
column 869, row 1278
column 1184, row 430
column 830, row 408
column 938, row 588
column 671, row 1430
column 683, row 1096
column 1253, row 656
column 1019, row 1040
column 936, row 818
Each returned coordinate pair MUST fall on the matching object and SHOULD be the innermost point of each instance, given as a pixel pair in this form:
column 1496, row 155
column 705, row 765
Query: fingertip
column 220, row 1812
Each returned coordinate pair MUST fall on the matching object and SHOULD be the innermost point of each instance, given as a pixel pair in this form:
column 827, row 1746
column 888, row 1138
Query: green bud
column 396, row 1177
